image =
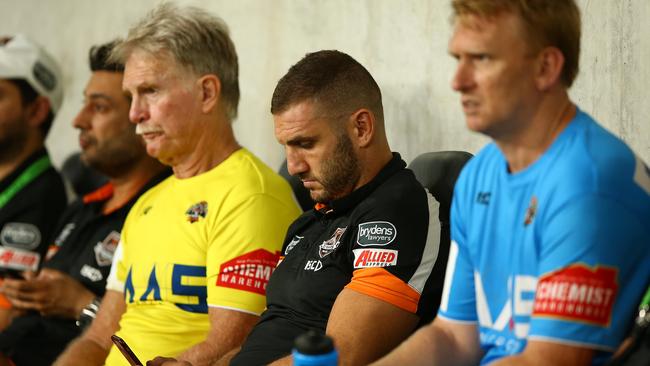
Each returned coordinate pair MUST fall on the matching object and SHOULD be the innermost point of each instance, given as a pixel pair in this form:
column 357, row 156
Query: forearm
column 225, row 360
column 431, row 345
column 82, row 352
column 539, row 353
column 203, row 354
column 284, row 361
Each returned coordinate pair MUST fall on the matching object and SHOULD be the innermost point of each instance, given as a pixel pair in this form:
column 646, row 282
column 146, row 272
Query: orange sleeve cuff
column 382, row 285
column 4, row 303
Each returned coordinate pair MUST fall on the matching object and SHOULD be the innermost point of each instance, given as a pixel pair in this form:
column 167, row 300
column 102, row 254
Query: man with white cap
column 32, row 195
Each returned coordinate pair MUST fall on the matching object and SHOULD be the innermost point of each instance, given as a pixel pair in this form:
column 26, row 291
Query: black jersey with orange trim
column 29, row 218
column 382, row 240
column 83, row 249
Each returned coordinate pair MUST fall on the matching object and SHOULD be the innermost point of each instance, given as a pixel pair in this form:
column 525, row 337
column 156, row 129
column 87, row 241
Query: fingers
column 29, row 275
column 166, row 361
column 25, row 294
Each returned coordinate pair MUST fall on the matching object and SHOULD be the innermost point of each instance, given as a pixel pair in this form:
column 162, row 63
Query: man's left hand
column 51, row 293
column 166, row 361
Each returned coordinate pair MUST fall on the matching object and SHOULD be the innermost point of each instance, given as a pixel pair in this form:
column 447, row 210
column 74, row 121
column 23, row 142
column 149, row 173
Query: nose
column 463, row 79
column 82, row 119
column 138, row 111
column 296, row 164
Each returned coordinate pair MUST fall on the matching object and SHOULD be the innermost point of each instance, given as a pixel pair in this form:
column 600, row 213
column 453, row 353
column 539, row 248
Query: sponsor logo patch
column 577, row 293
column 91, row 273
column 365, row 258
column 197, row 211
column 483, row 198
column 20, row 235
column 332, row 243
column 314, row 265
column 248, row 272
column 292, row 244
column 531, row 211
column 20, row 260
column 105, row 249
column 377, row 233
column 63, row 235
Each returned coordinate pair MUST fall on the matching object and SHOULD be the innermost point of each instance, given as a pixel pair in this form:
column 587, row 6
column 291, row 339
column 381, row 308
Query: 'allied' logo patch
column 365, row 258
column 197, row 211
column 577, row 293
column 332, row 243
column 377, row 233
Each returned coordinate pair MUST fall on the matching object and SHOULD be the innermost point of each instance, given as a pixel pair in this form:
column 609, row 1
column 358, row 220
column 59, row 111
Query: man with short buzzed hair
column 366, row 265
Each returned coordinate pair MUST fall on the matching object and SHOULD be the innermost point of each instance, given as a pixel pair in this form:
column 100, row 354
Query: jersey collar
column 350, row 201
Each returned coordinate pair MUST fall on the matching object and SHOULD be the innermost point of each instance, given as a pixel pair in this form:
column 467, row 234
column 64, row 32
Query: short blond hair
column 554, row 23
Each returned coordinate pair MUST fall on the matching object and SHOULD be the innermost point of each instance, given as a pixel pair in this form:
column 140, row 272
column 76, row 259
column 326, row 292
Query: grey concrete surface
column 402, row 43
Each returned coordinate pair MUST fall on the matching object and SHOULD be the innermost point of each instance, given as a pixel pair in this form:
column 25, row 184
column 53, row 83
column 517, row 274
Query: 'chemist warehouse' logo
column 577, row 293
column 248, row 272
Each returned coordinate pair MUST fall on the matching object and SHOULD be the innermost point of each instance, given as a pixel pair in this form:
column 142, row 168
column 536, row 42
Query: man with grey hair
column 197, row 250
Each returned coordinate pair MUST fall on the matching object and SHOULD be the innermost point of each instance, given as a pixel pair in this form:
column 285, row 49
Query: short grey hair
column 196, row 40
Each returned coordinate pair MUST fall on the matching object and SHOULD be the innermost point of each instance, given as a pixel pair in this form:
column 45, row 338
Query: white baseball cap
column 20, row 58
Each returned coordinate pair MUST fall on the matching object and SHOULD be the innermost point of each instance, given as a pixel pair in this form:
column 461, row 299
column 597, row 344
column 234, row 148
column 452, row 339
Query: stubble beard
column 340, row 172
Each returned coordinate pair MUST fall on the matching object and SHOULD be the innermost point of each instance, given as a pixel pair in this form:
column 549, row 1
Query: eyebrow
column 296, row 140
column 94, row 96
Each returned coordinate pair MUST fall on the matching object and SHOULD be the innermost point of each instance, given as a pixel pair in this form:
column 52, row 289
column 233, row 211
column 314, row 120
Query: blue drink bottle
column 314, row 349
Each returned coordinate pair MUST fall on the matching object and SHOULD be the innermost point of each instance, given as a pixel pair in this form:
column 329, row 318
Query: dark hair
column 333, row 80
column 27, row 96
column 98, row 56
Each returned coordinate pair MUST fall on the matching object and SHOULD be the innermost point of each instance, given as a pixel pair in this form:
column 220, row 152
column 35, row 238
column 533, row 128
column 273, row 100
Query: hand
column 166, row 361
column 51, row 293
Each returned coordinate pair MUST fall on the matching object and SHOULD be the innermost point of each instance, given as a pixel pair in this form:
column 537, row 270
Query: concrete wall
column 402, row 43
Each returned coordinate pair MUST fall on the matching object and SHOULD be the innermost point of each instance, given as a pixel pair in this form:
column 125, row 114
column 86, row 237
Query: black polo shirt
column 83, row 249
column 382, row 240
column 28, row 219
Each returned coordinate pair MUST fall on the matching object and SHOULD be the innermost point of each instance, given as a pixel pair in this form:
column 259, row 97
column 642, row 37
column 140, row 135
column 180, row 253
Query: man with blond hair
column 197, row 250
column 550, row 222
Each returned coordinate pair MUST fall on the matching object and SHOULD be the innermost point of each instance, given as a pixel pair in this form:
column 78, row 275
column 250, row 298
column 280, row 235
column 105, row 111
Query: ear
column 210, row 92
column 363, row 126
column 550, row 63
column 37, row 111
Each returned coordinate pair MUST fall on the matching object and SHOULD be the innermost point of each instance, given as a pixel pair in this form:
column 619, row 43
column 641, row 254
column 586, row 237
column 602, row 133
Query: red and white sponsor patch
column 20, row 260
column 248, row 272
column 364, row 258
column 578, row 293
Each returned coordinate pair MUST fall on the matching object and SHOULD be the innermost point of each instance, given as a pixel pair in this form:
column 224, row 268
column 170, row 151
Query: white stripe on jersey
column 112, row 283
column 431, row 247
column 449, row 273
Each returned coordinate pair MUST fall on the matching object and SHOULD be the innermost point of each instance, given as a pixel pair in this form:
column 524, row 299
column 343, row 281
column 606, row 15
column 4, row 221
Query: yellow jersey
column 187, row 244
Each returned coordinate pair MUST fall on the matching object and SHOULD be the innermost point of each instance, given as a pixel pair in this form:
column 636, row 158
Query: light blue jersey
column 557, row 252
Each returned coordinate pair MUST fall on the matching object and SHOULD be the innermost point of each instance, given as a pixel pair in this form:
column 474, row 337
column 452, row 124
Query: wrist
column 88, row 313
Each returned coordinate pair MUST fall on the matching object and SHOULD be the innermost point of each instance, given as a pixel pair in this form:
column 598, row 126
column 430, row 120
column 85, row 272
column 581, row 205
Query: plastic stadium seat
column 299, row 191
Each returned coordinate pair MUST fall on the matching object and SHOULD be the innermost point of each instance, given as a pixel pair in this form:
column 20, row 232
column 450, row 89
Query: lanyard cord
column 26, row 177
